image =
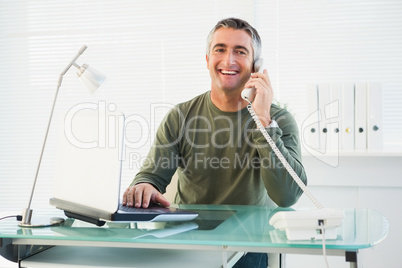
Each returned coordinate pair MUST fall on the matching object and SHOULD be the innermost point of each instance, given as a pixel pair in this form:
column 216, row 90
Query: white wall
column 359, row 181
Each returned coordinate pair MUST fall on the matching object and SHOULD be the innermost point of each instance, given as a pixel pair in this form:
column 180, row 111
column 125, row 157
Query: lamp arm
column 27, row 213
column 82, row 49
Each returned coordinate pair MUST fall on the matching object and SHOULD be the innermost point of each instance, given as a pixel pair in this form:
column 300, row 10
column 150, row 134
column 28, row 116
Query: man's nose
column 229, row 58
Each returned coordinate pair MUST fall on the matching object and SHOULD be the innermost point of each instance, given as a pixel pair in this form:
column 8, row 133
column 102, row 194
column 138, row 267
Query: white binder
column 310, row 126
column 324, row 104
column 374, row 117
column 332, row 114
column 347, row 117
column 360, row 116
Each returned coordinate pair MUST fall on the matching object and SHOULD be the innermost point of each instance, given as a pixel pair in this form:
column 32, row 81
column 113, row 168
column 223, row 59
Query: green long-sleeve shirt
column 221, row 158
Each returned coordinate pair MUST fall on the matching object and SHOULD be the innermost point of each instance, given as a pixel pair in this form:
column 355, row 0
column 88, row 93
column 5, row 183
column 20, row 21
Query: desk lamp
column 92, row 79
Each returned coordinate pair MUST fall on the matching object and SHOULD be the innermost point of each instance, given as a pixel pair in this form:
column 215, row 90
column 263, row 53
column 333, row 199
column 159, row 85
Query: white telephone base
column 308, row 224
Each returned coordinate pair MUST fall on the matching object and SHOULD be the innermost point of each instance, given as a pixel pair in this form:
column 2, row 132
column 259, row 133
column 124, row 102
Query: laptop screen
column 89, row 153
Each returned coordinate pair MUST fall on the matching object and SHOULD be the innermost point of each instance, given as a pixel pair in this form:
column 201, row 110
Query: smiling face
column 230, row 60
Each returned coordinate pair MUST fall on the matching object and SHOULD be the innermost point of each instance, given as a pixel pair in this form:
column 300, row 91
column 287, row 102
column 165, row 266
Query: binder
column 344, row 117
column 347, row 124
column 374, row 117
column 324, row 104
column 332, row 114
column 360, row 116
column 310, row 127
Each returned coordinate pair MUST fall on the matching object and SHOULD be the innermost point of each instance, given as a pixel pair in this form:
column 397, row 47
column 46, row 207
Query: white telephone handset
column 249, row 93
column 299, row 225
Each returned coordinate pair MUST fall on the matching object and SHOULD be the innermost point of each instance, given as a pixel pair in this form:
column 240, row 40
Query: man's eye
column 219, row 50
column 241, row 52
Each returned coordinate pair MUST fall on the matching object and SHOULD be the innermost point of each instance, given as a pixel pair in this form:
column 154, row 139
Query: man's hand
column 142, row 194
column 264, row 96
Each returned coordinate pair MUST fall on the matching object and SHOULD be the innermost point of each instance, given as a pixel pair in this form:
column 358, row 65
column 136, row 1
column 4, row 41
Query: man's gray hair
column 238, row 24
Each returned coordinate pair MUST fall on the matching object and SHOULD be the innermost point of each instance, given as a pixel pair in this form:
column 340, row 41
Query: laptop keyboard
column 152, row 209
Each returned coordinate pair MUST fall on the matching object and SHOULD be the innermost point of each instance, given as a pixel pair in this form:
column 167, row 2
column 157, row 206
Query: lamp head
column 90, row 77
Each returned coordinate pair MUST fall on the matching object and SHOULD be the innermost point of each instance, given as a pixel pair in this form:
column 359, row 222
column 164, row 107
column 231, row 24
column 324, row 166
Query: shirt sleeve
column 281, row 187
column 163, row 157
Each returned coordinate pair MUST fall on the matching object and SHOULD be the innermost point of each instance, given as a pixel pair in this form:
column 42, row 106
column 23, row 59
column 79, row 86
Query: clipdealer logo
column 100, row 125
column 110, row 126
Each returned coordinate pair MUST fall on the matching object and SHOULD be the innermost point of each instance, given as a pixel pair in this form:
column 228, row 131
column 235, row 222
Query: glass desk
column 218, row 228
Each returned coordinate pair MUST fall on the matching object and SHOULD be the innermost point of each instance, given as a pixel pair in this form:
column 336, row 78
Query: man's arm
column 281, row 187
column 161, row 163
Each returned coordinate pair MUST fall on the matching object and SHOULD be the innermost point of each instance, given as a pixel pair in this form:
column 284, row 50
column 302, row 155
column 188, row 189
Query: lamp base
column 42, row 223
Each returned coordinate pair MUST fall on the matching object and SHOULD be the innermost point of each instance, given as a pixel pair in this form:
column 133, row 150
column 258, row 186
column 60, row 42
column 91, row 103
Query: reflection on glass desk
column 234, row 228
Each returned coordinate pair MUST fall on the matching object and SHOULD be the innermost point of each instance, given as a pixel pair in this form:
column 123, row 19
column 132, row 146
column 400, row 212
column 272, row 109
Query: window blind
column 311, row 42
column 153, row 53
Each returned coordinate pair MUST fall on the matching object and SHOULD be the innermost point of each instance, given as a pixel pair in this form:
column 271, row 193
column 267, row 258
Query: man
column 212, row 141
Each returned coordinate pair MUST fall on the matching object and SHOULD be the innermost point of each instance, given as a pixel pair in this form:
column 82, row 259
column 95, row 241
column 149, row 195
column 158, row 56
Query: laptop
column 89, row 168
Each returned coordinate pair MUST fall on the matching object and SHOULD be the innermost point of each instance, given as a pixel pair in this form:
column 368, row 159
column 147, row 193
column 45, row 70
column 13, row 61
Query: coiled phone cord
column 282, row 158
column 291, row 172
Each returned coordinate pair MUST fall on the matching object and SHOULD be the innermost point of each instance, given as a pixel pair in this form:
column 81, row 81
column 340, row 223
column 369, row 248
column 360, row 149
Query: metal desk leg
column 351, row 256
column 229, row 261
column 224, row 259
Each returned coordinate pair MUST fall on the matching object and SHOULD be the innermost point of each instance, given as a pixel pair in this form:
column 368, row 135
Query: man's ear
column 206, row 57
